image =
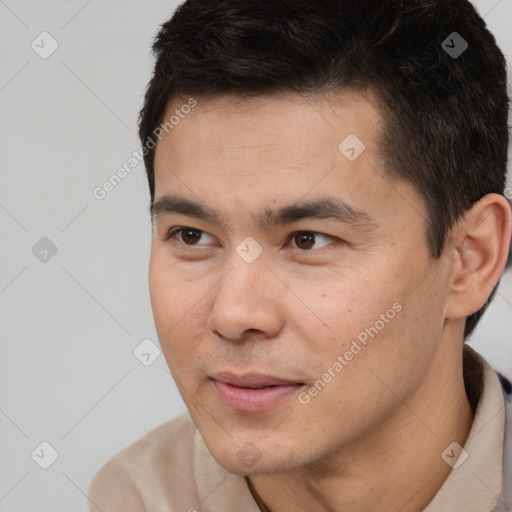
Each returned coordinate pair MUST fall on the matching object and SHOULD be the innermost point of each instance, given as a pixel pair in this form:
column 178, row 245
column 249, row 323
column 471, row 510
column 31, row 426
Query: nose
column 247, row 300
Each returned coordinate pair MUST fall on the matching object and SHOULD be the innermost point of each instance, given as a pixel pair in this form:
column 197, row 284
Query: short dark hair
column 445, row 115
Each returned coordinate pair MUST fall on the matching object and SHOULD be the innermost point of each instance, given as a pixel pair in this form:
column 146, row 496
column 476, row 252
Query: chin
column 250, row 460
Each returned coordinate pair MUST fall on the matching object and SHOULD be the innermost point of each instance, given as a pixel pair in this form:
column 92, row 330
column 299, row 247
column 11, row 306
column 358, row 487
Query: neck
column 399, row 467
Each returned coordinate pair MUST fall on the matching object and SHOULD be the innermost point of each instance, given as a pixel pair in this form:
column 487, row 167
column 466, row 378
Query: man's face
column 341, row 316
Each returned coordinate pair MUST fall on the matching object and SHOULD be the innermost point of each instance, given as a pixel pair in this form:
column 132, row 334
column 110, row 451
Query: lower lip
column 253, row 400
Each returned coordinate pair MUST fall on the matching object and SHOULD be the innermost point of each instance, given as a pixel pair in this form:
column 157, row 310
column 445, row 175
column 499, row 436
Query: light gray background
column 69, row 326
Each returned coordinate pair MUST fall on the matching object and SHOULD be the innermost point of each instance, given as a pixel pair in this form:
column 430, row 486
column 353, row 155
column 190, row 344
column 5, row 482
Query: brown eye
column 190, row 236
column 186, row 236
column 305, row 240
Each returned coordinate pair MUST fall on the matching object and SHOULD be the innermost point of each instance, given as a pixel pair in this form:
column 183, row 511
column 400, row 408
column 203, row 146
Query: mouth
column 252, row 392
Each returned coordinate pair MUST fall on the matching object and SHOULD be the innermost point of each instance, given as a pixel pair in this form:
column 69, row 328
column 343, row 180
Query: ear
column 477, row 251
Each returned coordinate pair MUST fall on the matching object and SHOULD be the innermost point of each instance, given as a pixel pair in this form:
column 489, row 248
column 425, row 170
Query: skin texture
column 355, row 446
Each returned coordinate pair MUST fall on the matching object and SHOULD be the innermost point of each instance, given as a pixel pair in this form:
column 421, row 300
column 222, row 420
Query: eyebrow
column 332, row 208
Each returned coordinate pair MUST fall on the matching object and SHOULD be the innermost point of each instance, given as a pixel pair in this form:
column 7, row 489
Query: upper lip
column 251, row 380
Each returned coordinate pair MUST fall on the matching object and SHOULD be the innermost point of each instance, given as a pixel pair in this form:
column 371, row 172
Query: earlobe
column 478, row 252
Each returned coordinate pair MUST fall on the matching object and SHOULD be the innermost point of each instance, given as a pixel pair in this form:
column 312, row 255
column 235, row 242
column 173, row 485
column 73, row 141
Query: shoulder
column 165, row 444
column 146, row 470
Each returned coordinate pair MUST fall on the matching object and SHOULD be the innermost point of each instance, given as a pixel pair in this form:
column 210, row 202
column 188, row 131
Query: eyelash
column 172, row 235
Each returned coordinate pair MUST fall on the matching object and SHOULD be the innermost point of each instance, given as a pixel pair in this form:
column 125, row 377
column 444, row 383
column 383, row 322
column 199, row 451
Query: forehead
column 232, row 134
column 358, row 110
column 243, row 155
column 272, row 160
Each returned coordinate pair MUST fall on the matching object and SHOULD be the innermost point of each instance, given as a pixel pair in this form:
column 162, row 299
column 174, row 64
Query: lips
column 252, row 392
column 252, row 380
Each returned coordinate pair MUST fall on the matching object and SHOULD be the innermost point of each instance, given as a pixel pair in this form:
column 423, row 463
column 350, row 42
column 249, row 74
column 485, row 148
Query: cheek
column 351, row 307
column 373, row 322
column 177, row 304
column 169, row 291
column 168, row 300
column 160, row 291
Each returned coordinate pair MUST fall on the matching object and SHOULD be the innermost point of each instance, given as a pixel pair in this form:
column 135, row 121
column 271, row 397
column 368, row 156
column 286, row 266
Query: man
column 329, row 226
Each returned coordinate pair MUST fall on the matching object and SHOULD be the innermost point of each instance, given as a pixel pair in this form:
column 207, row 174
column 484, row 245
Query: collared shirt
column 171, row 470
